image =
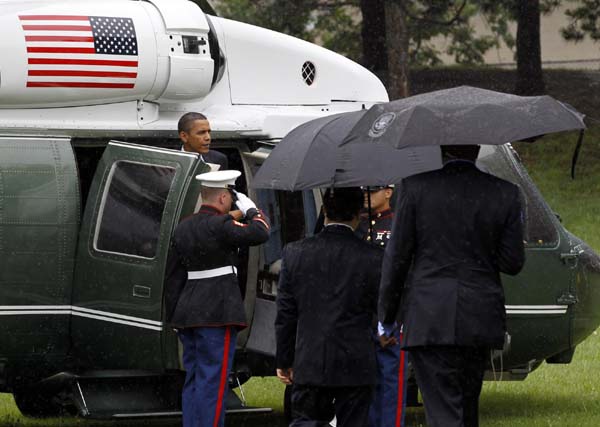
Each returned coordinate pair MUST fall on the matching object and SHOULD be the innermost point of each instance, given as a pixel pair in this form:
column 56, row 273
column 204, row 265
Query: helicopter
column 93, row 183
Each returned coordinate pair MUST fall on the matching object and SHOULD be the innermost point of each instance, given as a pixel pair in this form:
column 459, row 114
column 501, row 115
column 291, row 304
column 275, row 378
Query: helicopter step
column 102, row 394
column 113, row 394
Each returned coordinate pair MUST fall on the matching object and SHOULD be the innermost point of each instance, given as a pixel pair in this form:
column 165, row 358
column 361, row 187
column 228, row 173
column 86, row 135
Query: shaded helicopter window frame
column 101, row 211
column 531, row 199
column 285, row 208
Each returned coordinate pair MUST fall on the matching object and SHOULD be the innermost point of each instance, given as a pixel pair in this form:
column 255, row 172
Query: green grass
column 553, row 395
column 577, row 201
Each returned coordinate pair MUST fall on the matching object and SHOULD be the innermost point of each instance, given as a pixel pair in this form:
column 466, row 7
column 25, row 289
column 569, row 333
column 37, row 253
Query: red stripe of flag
column 57, row 27
column 58, row 39
column 52, row 18
column 57, row 61
column 82, row 85
column 78, row 73
column 61, row 50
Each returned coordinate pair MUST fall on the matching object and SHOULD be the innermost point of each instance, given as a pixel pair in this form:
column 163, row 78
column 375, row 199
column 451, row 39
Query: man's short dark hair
column 185, row 122
column 343, row 204
column 466, row 152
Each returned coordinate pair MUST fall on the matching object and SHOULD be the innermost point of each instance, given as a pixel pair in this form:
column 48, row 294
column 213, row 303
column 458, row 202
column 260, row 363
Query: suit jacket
column 216, row 157
column 206, row 241
column 326, row 300
column 455, row 229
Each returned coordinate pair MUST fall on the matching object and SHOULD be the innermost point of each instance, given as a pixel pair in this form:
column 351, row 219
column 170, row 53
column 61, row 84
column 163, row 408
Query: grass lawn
column 553, row 395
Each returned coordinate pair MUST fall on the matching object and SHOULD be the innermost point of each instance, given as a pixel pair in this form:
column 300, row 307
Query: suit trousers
column 207, row 359
column 450, row 380
column 315, row 406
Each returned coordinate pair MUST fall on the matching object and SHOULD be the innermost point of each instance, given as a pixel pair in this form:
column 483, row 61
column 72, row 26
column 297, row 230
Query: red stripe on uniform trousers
column 399, row 404
column 223, row 382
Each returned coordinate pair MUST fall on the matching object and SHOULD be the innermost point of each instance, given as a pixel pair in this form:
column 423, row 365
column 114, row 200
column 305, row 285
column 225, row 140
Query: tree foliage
column 584, row 19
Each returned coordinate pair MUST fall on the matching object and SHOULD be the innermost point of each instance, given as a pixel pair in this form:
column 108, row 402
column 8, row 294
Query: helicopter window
column 132, row 209
column 539, row 226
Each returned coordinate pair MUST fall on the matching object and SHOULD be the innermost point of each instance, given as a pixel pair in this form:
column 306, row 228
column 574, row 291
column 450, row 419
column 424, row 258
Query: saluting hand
column 286, row 375
column 243, row 202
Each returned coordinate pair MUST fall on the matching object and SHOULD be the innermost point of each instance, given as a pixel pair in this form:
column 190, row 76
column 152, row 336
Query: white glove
column 243, row 202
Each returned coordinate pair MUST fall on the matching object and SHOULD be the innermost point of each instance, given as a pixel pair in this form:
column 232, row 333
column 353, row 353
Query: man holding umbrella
column 456, row 229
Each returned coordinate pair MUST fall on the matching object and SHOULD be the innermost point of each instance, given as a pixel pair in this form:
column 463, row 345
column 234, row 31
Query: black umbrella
column 463, row 115
column 310, row 156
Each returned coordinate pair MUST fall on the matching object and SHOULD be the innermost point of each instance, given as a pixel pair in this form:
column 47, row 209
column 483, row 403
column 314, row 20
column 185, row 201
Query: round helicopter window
column 309, row 73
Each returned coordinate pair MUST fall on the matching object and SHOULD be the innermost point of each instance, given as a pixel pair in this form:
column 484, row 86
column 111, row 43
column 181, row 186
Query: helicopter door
column 537, row 299
column 131, row 211
column 293, row 216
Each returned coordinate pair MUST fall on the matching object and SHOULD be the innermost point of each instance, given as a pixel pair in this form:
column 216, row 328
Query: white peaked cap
column 219, row 179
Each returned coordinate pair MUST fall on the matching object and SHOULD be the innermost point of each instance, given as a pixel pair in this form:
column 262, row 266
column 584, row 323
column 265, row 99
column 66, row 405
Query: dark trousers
column 207, row 359
column 314, row 406
column 450, row 379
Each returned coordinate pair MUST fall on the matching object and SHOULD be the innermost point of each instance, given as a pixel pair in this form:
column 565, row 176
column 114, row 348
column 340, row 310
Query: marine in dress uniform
column 389, row 400
column 203, row 300
column 325, row 306
column 194, row 132
column 455, row 230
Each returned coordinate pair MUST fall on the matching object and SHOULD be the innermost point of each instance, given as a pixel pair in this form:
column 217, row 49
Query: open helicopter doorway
column 293, row 216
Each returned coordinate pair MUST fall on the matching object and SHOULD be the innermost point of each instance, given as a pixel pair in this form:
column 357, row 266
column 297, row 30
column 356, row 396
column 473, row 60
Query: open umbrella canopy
column 310, row 156
column 463, row 115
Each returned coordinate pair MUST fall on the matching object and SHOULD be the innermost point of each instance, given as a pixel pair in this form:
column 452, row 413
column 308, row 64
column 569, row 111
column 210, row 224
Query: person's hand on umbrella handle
column 286, row 375
column 243, row 202
column 385, row 341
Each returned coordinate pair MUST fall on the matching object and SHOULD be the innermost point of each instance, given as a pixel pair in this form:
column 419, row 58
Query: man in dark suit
column 326, row 301
column 455, row 230
column 194, row 132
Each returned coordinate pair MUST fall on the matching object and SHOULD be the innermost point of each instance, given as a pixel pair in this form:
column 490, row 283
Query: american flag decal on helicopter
column 80, row 51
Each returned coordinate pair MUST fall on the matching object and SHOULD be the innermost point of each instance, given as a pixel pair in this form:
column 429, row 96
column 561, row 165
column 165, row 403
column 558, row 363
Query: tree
column 374, row 46
column 530, row 80
column 397, row 43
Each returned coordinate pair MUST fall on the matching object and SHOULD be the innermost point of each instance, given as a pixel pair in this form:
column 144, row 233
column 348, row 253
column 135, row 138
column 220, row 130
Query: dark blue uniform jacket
column 206, row 241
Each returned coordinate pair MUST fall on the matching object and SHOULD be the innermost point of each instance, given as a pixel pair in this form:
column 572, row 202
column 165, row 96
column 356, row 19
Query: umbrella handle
column 369, row 210
column 576, row 153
